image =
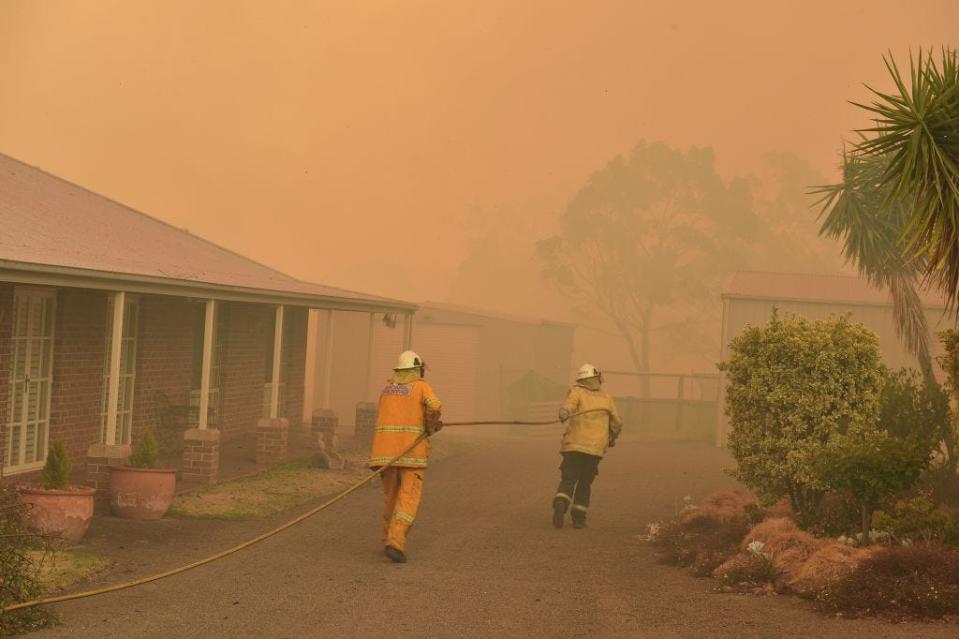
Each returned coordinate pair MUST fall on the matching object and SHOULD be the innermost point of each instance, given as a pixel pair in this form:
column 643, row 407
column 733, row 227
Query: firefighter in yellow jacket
column 408, row 408
column 584, row 443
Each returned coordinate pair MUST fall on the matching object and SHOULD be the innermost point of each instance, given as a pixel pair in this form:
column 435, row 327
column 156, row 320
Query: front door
column 31, row 378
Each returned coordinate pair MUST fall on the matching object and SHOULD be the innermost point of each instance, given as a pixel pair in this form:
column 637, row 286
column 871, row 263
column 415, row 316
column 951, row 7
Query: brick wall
column 164, row 363
column 249, row 331
column 164, row 357
column 6, row 324
column 78, row 357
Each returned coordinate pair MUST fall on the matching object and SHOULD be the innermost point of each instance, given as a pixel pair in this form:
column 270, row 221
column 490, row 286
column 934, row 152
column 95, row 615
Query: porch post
column 277, row 359
column 369, row 355
column 208, row 327
column 116, row 344
column 408, row 332
column 309, row 377
column 328, row 360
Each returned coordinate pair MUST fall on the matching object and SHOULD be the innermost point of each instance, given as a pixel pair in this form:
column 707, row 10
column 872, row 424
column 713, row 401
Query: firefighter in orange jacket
column 408, row 408
column 587, row 436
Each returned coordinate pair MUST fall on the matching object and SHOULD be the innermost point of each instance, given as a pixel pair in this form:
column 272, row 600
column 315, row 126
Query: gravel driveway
column 484, row 562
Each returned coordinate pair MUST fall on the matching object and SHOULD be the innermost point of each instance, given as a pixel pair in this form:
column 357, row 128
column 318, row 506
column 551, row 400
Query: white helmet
column 586, row 371
column 408, row 360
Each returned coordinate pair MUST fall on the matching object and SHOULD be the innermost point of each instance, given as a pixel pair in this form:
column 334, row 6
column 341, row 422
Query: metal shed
column 749, row 298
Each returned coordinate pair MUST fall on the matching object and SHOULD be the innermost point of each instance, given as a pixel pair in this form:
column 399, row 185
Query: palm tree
column 916, row 138
column 897, row 208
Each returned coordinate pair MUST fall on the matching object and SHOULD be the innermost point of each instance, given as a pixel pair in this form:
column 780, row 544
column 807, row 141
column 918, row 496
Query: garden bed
column 752, row 550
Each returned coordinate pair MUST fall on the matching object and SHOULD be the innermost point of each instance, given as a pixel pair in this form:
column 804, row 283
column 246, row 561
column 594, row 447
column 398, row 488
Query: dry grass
column 60, row 569
column 827, row 567
column 787, row 545
column 720, row 506
column 283, row 487
column 745, row 570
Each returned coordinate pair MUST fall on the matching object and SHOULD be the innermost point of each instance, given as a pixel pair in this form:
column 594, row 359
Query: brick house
column 113, row 322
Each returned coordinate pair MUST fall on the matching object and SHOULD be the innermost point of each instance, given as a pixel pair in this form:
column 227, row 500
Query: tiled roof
column 46, row 221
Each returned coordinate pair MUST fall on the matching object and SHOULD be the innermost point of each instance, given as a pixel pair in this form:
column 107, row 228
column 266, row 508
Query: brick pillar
column 272, row 439
column 201, row 455
column 325, row 423
column 365, row 421
column 97, row 470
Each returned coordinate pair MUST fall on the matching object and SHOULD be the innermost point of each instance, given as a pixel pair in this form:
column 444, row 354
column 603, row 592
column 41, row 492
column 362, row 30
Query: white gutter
column 67, row 277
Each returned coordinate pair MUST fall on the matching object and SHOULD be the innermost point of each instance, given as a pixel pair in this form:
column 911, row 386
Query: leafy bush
column 899, row 582
column 918, row 519
column 912, row 409
column 870, row 466
column 57, row 469
column 18, row 576
column 836, row 515
column 146, row 454
column 792, row 385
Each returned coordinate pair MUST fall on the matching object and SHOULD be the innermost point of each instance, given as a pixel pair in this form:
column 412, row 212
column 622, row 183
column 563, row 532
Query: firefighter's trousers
column 577, row 473
column 402, row 488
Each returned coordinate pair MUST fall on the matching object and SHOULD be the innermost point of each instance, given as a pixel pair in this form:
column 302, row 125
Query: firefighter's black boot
column 560, row 505
column 579, row 518
column 396, row 555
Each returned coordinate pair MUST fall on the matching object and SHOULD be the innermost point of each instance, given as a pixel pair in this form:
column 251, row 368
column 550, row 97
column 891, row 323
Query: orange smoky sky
column 357, row 143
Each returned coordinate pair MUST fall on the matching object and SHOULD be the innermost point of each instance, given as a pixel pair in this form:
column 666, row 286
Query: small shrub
column 721, row 505
column 918, row 519
column 705, row 536
column 57, row 469
column 917, row 581
column 746, row 570
column 870, row 466
column 787, row 546
column 19, row 581
column 826, row 567
column 837, row 514
column 146, row 454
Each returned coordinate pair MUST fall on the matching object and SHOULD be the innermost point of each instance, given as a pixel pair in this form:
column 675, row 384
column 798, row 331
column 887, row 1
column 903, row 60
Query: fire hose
column 229, row 551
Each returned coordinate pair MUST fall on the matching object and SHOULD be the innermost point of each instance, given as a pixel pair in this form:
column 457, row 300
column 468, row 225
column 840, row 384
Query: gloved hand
column 612, row 441
column 433, row 424
column 563, row 415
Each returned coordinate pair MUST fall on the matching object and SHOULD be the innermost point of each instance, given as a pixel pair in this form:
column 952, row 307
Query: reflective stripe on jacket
column 590, row 433
column 400, row 420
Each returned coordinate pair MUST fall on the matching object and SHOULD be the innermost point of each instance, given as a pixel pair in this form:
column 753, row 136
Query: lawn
column 272, row 491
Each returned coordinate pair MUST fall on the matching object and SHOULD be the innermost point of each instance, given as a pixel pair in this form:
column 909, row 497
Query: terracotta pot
column 64, row 513
column 141, row 493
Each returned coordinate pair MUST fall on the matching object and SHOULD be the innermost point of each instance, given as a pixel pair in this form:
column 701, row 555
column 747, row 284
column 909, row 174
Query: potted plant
column 58, row 508
column 140, row 490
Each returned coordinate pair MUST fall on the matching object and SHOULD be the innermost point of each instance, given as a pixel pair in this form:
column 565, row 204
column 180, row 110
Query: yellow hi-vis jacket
column 404, row 403
column 590, row 433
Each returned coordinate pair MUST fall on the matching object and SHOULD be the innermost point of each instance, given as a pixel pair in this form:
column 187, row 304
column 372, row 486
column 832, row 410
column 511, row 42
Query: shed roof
column 63, row 234
column 824, row 289
column 486, row 314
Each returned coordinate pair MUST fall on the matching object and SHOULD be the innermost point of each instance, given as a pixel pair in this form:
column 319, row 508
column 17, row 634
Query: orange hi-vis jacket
column 402, row 412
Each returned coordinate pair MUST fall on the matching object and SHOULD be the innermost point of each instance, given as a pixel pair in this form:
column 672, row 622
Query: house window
column 31, row 378
column 219, row 333
column 128, row 360
column 268, row 373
